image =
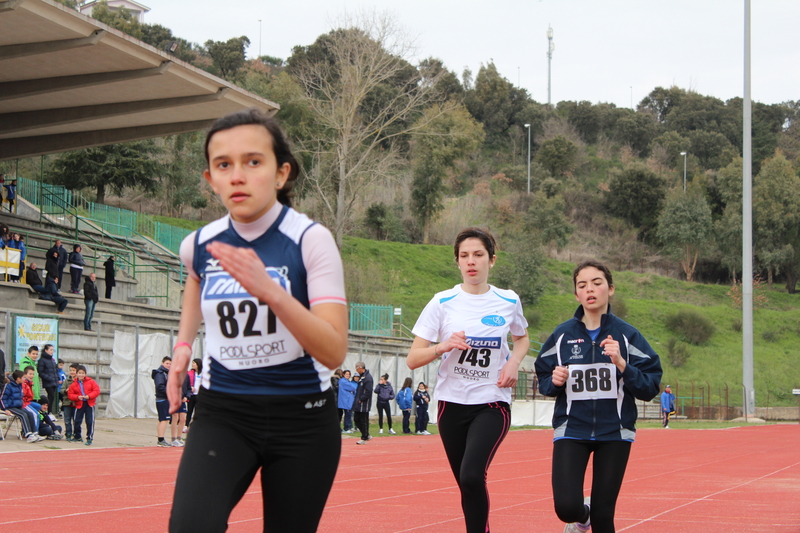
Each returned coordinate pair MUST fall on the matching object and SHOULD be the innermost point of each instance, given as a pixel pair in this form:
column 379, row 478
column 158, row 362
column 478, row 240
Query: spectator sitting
column 51, row 293
column 33, row 279
column 11, row 405
column 47, row 422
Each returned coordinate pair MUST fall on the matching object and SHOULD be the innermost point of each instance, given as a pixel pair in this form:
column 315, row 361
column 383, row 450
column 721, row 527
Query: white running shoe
column 426, row 432
column 177, row 443
column 577, row 527
column 361, row 441
column 380, row 431
column 391, row 432
column 666, row 427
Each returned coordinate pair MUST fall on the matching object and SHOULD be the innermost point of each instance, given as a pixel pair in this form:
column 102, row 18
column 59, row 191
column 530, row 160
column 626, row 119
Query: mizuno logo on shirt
column 484, row 342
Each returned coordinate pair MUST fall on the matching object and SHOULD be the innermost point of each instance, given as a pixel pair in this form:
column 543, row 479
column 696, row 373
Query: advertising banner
column 34, row 331
column 9, row 262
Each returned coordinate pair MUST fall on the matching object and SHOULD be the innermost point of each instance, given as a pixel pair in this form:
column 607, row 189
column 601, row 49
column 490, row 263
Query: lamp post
column 259, row 37
column 684, row 170
column 528, row 126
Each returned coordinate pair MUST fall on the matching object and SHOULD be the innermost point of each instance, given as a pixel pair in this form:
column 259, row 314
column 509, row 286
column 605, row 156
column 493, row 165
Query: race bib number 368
column 592, row 382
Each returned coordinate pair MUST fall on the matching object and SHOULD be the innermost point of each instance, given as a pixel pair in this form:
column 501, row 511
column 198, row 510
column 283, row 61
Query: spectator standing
column 84, row 392
column 56, row 260
column 195, row 380
column 347, row 392
column 11, row 194
column 363, row 402
column 110, row 279
column 18, row 243
column 90, row 299
column 385, row 394
column 160, row 376
column 405, row 401
column 51, row 263
column 76, row 264
column 422, row 399
column 667, row 406
column 33, row 279
column 30, row 359
column 62, row 263
column 48, row 372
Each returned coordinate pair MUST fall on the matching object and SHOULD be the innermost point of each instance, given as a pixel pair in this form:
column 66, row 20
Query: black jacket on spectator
column 363, row 400
column 32, row 277
column 110, row 279
column 48, row 370
column 159, row 375
column 51, row 265
column 90, row 290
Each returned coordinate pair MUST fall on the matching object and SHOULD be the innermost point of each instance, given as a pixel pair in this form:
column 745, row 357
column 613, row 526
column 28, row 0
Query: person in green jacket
column 30, row 360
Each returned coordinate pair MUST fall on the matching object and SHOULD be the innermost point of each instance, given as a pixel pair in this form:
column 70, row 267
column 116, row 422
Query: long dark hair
column 407, row 383
column 283, row 152
column 592, row 263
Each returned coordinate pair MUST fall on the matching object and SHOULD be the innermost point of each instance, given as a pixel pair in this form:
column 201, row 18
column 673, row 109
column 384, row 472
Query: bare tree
column 366, row 100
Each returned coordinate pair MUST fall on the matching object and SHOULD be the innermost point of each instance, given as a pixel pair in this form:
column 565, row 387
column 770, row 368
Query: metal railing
column 372, row 319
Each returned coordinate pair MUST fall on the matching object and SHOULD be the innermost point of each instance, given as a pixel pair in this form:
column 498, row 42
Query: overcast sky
column 605, row 51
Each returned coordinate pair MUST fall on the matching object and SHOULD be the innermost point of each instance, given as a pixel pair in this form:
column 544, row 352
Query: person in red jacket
column 83, row 392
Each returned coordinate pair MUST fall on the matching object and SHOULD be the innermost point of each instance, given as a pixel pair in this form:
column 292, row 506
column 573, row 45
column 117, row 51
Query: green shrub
column 771, row 335
column 677, row 353
column 737, row 325
column 691, row 326
column 533, row 317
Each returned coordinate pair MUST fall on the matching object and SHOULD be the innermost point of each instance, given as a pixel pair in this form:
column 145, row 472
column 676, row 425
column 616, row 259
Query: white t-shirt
column 469, row 377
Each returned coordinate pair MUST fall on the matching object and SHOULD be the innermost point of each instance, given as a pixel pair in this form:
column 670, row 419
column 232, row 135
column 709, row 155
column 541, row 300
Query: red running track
column 678, row 481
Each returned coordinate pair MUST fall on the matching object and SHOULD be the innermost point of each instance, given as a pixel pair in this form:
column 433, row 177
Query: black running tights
column 471, row 435
column 570, row 458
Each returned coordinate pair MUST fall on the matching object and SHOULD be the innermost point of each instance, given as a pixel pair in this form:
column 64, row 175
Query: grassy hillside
column 406, row 275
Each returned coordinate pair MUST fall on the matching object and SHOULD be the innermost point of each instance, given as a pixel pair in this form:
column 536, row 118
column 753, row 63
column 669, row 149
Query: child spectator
column 405, row 401
column 27, row 396
column 347, row 392
column 47, row 422
column 159, row 375
column 67, row 405
column 18, row 243
column 11, row 404
column 61, row 377
column 422, row 399
column 48, row 372
column 30, row 360
column 84, row 392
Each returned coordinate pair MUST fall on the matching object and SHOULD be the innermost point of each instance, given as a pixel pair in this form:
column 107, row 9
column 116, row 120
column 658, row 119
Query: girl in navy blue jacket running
column 596, row 365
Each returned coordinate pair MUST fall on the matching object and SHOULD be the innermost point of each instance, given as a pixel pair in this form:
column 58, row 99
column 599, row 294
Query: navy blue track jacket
column 597, row 401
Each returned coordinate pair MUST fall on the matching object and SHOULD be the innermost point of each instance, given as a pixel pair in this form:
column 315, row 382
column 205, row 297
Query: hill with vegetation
column 694, row 327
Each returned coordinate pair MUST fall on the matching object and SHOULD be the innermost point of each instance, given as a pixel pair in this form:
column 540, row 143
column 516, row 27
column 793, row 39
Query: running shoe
column 88, row 442
column 164, row 444
column 32, row 438
column 77, row 439
column 380, row 431
column 361, row 441
column 391, row 432
column 178, row 443
column 577, row 527
column 426, row 432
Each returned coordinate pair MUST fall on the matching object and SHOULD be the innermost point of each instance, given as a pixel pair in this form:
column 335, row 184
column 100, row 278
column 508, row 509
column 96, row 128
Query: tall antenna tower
column 550, row 47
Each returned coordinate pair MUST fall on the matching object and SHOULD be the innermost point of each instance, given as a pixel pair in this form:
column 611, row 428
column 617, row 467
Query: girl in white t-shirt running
column 467, row 326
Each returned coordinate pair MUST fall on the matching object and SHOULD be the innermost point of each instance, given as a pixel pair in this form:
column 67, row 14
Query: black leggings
column 296, row 447
column 471, row 435
column 570, row 458
column 384, row 407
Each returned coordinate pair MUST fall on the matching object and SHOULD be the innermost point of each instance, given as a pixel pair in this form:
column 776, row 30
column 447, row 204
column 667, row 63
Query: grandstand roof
column 68, row 81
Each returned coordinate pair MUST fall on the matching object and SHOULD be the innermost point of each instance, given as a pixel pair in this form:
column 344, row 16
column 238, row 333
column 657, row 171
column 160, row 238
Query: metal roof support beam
column 19, row 89
column 43, row 118
column 20, row 147
column 10, row 5
column 13, row 51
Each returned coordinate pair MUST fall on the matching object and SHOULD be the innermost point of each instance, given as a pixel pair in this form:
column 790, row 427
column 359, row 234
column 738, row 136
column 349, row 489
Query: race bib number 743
column 597, row 381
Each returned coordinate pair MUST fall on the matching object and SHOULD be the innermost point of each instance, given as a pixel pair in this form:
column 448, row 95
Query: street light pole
column 528, row 126
column 684, row 170
column 259, row 37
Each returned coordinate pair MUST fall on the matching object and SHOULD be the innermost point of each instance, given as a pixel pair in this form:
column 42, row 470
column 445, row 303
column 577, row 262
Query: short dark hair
column 476, row 233
column 166, row 358
column 76, row 366
column 46, row 346
column 44, row 401
column 29, row 367
column 32, row 348
column 591, row 263
column 16, row 374
column 280, row 146
column 81, row 367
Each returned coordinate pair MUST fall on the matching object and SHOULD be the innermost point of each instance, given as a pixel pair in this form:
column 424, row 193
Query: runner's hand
column 560, row 375
column 611, row 348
